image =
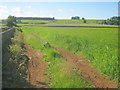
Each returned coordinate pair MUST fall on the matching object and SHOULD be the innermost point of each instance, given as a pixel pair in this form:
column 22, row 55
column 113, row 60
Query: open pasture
column 59, row 22
column 98, row 45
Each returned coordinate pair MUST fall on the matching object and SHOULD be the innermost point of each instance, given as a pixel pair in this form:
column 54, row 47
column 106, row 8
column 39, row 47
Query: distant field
column 34, row 21
column 65, row 23
column 98, row 45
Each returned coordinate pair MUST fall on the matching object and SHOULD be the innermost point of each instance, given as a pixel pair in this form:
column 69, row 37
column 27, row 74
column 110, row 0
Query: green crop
column 98, row 45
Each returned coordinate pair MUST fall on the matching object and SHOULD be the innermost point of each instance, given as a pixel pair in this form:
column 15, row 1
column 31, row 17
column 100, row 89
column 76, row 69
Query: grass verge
column 15, row 70
column 98, row 45
column 61, row 73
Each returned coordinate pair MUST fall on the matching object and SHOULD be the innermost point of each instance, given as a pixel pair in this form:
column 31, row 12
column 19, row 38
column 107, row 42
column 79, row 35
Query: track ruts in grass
column 86, row 70
column 36, row 67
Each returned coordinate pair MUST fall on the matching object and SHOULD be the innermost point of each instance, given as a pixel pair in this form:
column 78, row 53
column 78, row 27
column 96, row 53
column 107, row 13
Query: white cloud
column 3, row 7
column 99, row 16
column 29, row 6
column 16, row 10
column 60, row 10
column 4, row 12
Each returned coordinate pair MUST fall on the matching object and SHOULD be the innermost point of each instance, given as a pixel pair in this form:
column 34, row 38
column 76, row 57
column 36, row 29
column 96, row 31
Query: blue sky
column 60, row 10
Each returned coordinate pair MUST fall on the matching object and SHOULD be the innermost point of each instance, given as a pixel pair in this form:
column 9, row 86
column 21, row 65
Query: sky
column 59, row 10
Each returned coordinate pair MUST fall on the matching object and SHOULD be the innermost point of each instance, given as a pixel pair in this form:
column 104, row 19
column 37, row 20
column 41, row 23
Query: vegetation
column 85, row 21
column 75, row 21
column 61, row 73
column 35, row 18
column 112, row 21
column 11, row 21
column 15, row 69
column 76, row 18
column 92, row 23
column 98, row 45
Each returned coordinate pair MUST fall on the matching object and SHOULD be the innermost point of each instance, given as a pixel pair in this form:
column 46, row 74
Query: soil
column 36, row 67
column 85, row 69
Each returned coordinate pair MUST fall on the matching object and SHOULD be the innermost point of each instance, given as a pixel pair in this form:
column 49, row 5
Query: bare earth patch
column 36, row 68
column 84, row 69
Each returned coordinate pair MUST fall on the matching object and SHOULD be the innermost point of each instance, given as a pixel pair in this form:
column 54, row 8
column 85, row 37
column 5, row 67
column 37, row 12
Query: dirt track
column 36, row 68
column 84, row 69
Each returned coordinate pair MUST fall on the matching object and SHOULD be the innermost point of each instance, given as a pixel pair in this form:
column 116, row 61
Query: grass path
column 36, row 68
column 83, row 66
column 84, row 69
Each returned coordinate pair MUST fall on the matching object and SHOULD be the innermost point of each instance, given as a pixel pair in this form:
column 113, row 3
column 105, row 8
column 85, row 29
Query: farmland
column 98, row 45
column 63, row 22
column 64, row 54
column 54, row 45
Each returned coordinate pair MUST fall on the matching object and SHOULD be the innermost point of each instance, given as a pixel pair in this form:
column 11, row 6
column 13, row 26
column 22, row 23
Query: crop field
column 63, row 21
column 66, row 23
column 98, row 45
column 60, row 45
column 35, row 21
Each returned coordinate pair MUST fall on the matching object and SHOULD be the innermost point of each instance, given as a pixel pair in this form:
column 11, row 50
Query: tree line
column 78, row 18
column 35, row 18
column 112, row 21
column 12, row 20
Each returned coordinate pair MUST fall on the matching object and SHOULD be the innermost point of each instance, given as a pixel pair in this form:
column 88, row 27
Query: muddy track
column 36, row 67
column 84, row 69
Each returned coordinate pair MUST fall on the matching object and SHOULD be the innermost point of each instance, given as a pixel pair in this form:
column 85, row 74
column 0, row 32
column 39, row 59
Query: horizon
column 60, row 10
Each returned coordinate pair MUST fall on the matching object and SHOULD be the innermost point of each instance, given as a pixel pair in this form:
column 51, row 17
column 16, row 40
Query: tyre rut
column 36, row 67
column 85, row 69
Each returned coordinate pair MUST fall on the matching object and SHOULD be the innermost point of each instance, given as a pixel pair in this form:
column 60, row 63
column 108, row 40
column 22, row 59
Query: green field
column 60, row 45
column 66, row 23
column 59, row 21
column 98, row 45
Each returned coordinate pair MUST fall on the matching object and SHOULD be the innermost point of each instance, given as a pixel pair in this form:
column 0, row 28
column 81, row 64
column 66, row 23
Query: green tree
column 83, row 18
column 112, row 21
column 11, row 21
column 53, row 18
column 75, row 18
column 85, row 21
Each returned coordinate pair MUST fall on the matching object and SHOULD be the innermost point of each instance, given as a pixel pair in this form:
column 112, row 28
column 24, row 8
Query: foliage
column 112, row 21
column 61, row 73
column 83, row 18
column 98, row 45
column 85, row 21
column 11, row 21
column 76, row 17
column 16, row 67
column 61, row 23
column 34, row 18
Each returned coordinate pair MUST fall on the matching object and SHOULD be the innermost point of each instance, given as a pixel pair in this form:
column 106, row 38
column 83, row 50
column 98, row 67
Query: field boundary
column 71, row 26
column 36, row 67
column 6, row 31
column 83, row 26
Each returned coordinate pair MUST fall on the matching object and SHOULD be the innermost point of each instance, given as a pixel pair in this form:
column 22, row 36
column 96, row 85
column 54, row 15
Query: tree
column 53, row 18
column 83, row 18
column 85, row 21
column 76, row 17
column 19, row 21
column 112, row 21
column 104, row 22
column 11, row 21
